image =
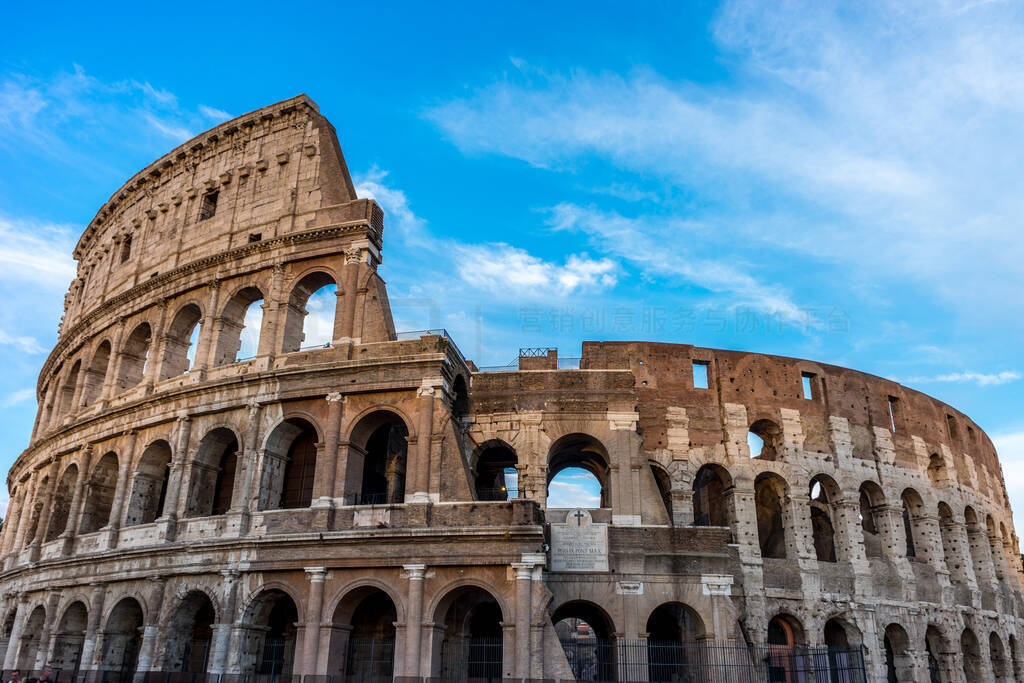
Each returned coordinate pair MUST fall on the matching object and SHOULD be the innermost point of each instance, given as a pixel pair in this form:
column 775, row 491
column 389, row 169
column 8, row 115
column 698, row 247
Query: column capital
column 316, row 574
column 335, row 397
column 416, row 572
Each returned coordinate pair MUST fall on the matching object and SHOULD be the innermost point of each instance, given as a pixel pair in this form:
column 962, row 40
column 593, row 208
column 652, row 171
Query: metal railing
column 440, row 332
column 366, row 499
column 471, row 659
column 507, row 493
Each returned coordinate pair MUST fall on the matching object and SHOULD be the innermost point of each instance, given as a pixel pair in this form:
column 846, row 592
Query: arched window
column 998, row 657
column 578, row 473
column 971, row 652
column 460, row 399
column 240, row 325
column 822, row 490
column 496, row 476
column 190, row 635
column 764, row 440
column 673, row 632
column 377, row 454
column 977, row 539
column 69, row 638
column 288, row 477
column 937, row 651
column 712, row 499
column 950, row 544
column 842, row 639
column 67, row 394
column 309, row 321
column 786, row 661
column 363, row 638
column 471, row 639
column 913, row 528
column 29, row 649
column 62, row 503
column 937, row 472
column 899, row 665
column 587, row 635
column 995, row 547
column 134, row 356
column 213, row 474
column 100, row 495
column 180, row 343
column 871, row 501
column 122, row 639
column 149, row 485
column 269, row 623
column 664, row 483
column 96, row 375
column 770, row 492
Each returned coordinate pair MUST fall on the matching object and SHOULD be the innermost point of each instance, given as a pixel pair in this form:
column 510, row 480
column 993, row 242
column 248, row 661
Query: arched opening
column 6, row 632
column 937, row 651
column 588, row 639
column 823, row 490
column 377, row 455
column 977, row 540
column 271, row 622
column 290, row 466
column 363, row 637
column 68, row 639
column 899, row 665
column 674, row 632
column 948, row 532
column 309, row 321
column 134, row 356
column 937, row 472
column 122, row 639
column 471, row 644
column 664, row 483
column 770, row 492
column 190, row 634
column 872, row 500
column 99, row 497
column 913, row 509
column 29, row 649
column 213, row 474
column 971, row 654
column 787, row 659
column 62, row 502
column 179, row 344
column 995, row 547
column 67, row 393
column 149, row 485
column 764, row 440
column 39, row 502
column 496, row 474
column 998, row 657
column 842, row 639
column 96, row 375
column 712, row 500
column 574, row 457
column 460, row 399
column 240, row 325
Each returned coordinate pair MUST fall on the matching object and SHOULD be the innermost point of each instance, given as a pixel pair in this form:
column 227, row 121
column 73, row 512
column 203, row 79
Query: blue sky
column 836, row 182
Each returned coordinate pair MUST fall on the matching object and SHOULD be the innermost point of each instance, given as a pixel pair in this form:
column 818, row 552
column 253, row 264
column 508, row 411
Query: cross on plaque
column 579, row 515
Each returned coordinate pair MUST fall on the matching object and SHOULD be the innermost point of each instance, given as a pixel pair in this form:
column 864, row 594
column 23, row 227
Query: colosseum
column 375, row 508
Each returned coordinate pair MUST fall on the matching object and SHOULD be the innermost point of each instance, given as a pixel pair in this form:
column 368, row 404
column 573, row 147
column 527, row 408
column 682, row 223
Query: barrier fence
column 480, row 660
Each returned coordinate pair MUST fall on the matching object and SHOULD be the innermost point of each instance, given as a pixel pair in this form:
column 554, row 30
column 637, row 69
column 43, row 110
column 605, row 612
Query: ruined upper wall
column 263, row 174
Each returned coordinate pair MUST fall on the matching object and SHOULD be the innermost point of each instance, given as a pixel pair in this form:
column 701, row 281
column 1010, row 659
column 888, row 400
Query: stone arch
column 122, row 638
column 28, row 649
column 295, row 332
column 290, row 454
column 232, row 325
column 68, row 391
column 178, row 341
column 995, row 547
column 786, row 658
column 768, row 435
column 96, row 374
column 823, row 494
column 62, row 502
column 938, row 654
column 997, row 656
column 913, row 527
column 471, row 638
column 149, row 485
column 712, row 496
column 134, row 356
column 977, row 538
column 212, row 478
column 99, row 496
column 785, row 630
column 189, row 635
column 971, row 653
column 674, row 631
column 36, row 511
column 378, row 451
column 587, row 633
column 950, row 544
column 584, row 452
column 841, row 638
column 663, row 480
column 270, row 625
column 1014, row 656
column 770, row 494
column 899, row 664
column 496, row 476
column 872, row 502
column 938, row 473
column 363, row 640
column 69, row 638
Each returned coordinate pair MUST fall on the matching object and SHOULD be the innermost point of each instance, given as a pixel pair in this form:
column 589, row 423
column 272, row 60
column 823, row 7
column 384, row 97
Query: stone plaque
column 579, row 545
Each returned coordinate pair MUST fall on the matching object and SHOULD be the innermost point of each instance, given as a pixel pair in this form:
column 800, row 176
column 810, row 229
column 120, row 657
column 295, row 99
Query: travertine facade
column 181, row 509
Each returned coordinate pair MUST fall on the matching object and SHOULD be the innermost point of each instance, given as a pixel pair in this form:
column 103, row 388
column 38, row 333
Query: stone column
column 157, row 344
column 207, row 343
column 325, row 484
column 25, row 518
column 526, row 573
column 242, row 503
column 114, row 364
column 124, row 465
column 89, row 652
column 414, row 619
column 719, row 587
column 14, row 644
column 222, row 632
column 13, row 521
column 152, row 630
column 311, row 638
column 46, row 636
column 424, row 438
column 169, row 514
column 47, row 509
column 345, row 329
column 269, row 344
column 75, row 511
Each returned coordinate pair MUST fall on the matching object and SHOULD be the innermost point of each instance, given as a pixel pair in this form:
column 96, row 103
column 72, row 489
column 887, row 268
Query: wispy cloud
column 509, row 271
column 982, row 379
column 22, row 343
column 17, row 397
column 36, row 252
column 214, row 113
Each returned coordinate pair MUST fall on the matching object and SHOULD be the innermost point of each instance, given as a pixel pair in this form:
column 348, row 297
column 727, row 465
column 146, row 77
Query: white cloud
column 17, row 397
column 36, row 253
column 410, row 228
column 23, row 343
column 175, row 132
column 510, row 271
column 214, row 113
column 982, row 379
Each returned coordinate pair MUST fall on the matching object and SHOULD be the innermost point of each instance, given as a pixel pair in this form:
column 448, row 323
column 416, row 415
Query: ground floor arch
column 189, row 638
column 269, row 634
column 469, row 621
column 363, row 636
column 587, row 634
column 69, row 638
column 674, row 634
column 28, row 648
column 122, row 639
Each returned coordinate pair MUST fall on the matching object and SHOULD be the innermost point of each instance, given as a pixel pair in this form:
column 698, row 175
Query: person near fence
column 46, row 675
column 15, row 677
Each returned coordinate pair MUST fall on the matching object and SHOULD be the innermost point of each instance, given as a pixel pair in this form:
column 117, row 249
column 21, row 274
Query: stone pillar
column 92, row 626
column 28, row 504
column 273, row 305
column 314, row 607
column 221, row 644
column 14, row 644
column 424, row 438
column 47, row 509
column 169, row 514
column 46, row 637
column 242, row 498
column 124, row 466
column 114, row 364
column 344, row 328
column 206, row 345
column 719, row 587
column 151, row 631
column 157, row 344
column 75, row 511
column 14, row 515
column 414, row 619
column 325, row 483
column 527, row 570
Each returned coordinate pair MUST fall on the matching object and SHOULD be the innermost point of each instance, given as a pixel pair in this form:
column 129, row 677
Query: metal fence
column 478, row 660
